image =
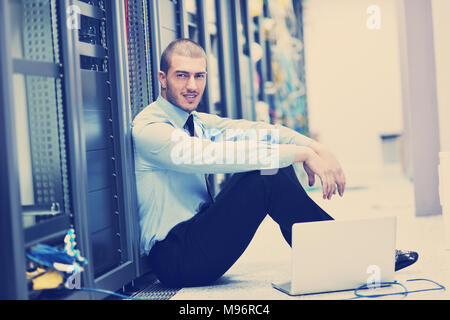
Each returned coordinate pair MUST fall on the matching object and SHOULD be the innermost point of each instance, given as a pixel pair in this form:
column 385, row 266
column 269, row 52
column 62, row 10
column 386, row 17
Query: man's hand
column 323, row 163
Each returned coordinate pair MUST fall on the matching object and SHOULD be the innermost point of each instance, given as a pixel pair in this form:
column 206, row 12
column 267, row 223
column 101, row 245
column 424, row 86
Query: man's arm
column 331, row 173
column 155, row 146
column 163, row 146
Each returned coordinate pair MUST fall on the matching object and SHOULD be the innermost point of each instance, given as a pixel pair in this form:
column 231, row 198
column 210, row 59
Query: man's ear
column 162, row 79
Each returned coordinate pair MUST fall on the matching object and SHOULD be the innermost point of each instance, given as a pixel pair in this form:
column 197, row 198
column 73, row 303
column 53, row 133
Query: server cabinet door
column 40, row 119
column 109, row 218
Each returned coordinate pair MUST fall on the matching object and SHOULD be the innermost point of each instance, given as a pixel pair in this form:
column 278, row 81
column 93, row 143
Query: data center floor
column 267, row 259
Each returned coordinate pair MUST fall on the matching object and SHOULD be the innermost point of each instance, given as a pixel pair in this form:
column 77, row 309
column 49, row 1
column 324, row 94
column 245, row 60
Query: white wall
column 441, row 26
column 353, row 80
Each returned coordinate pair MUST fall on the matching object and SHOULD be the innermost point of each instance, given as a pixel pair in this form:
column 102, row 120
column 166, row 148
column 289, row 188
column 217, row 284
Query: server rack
column 303, row 125
column 112, row 224
column 262, row 63
column 244, row 69
column 209, row 39
column 74, row 173
column 34, row 117
column 108, row 226
column 139, row 48
column 266, row 65
column 96, row 77
column 261, row 66
column 227, row 58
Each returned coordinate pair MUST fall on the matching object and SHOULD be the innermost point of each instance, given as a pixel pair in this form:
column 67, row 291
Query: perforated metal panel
column 39, row 31
column 157, row 291
column 139, row 59
column 45, row 108
column 43, row 120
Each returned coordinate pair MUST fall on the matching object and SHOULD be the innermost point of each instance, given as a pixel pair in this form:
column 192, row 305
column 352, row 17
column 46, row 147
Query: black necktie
column 190, row 126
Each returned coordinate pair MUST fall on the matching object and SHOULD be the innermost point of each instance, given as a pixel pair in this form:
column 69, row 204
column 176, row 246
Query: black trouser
column 200, row 250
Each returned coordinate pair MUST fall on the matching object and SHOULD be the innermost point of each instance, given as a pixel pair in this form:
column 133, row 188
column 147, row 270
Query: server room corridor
column 83, row 185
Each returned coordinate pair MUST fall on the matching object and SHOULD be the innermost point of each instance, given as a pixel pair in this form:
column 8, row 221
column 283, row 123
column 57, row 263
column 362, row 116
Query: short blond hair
column 182, row 47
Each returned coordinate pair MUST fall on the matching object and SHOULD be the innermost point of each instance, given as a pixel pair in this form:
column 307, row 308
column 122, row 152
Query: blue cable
column 404, row 293
column 440, row 286
column 364, row 286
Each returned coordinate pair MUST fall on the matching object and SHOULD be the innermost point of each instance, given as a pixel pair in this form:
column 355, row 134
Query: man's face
column 185, row 82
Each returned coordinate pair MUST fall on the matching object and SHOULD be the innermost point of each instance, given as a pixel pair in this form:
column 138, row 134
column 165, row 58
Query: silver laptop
column 330, row 256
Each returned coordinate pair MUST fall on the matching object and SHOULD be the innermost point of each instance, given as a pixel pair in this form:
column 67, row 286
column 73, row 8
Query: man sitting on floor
column 192, row 238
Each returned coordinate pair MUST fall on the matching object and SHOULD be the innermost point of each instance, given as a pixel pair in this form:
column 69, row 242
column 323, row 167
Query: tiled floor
column 267, row 259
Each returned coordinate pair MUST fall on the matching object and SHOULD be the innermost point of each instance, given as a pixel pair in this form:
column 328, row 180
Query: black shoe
column 404, row 258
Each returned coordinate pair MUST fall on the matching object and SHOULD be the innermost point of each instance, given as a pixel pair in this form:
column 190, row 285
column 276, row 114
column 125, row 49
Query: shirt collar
column 176, row 115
